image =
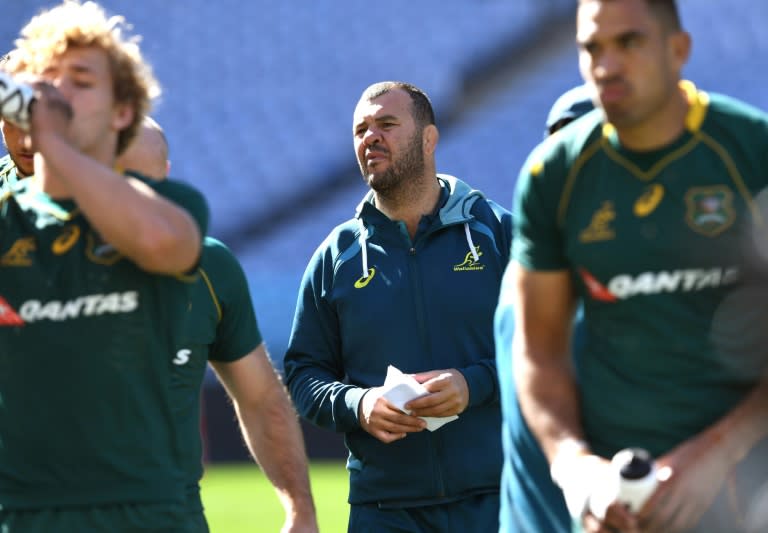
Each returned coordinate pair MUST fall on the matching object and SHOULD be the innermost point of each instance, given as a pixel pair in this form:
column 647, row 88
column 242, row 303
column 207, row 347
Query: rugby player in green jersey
column 223, row 332
column 92, row 288
column 641, row 212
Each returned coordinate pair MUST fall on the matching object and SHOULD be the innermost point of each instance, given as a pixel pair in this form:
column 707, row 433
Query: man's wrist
column 572, row 470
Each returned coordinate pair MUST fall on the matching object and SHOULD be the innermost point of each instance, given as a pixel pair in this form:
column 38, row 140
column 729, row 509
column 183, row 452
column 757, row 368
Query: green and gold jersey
column 222, row 327
column 86, row 360
column 656, row 243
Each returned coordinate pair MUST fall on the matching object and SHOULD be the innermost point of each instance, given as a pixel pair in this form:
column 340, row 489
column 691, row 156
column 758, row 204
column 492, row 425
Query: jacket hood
column 461, row 198
column 456, row 210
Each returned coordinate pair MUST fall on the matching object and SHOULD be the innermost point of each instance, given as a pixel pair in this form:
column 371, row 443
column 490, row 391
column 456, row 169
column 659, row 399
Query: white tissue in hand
column 400, row 388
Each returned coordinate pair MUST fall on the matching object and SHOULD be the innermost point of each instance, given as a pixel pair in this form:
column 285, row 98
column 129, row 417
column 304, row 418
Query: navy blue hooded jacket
column 371, row 298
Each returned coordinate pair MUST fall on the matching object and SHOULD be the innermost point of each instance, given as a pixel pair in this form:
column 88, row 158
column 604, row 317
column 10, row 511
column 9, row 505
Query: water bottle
column 632, row 480
column 15, row 101
column 637, row 477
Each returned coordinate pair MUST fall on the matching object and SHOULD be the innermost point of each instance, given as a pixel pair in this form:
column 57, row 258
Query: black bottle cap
column 636, row 465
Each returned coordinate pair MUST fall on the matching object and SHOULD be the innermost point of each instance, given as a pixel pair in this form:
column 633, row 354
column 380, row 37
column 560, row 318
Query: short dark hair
column 421, row 106
column 665, row 10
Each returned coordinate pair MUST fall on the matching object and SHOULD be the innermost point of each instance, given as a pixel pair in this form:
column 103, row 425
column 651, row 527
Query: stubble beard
column 403, row 172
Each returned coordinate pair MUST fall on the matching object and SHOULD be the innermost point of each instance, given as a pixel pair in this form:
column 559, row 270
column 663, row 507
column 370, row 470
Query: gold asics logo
column 649, row 200
column 66, row 240
column 365, row 280
column 599, row 228
column 18, row 255
column 469, row 262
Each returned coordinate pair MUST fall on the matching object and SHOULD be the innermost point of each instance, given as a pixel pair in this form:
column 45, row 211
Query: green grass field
column 238, row 498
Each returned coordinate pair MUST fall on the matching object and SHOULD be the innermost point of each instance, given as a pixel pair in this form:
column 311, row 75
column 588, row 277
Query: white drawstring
column 362, row 238
column 469, row 241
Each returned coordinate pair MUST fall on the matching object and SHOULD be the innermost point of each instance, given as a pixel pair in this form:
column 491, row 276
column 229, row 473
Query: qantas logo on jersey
column 9, row 317
column 626, row 286
column 58, row 311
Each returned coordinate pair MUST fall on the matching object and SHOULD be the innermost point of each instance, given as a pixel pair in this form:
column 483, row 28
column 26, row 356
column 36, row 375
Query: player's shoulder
column 726, row 111
column 553, row 156
column 184, row 194
column 217, row 256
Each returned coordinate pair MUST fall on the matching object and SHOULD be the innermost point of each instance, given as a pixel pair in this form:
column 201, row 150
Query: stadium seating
column 258, row 98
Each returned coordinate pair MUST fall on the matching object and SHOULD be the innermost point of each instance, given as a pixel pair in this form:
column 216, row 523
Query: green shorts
column 118, row 518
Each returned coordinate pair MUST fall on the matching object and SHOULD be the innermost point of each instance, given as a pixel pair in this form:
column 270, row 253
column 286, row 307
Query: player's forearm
column 153, row 232
column 549, row 400
column 275, row 439
column 744, row 426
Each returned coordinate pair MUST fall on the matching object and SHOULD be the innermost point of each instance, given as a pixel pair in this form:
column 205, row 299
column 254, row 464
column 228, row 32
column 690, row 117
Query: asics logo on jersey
column 66, row 240
column 469, row 262
column 365, row 280
column 625, row 286
column 599, row 228
column 91, row 305
column 182, row 357
column 649, row 200
column 18, row 255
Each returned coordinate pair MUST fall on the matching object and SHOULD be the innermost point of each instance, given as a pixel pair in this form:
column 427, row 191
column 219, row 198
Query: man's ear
column 122, row 116
column 430, row 138
column 680, row 48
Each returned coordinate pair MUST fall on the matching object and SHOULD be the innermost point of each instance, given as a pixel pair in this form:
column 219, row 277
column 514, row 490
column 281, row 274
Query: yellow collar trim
column 698, row 103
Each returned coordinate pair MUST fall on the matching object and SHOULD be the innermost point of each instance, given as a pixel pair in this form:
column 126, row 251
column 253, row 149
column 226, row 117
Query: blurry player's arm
column 692, row 474
column 271, row 430
column 549, row 399
column 544, row 305
column 150, row 230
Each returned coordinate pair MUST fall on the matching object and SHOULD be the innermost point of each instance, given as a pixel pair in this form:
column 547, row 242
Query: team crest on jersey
column 8, row 316
column 599, row 228
column 19, row 253
column 470, row 263
column 709, row 210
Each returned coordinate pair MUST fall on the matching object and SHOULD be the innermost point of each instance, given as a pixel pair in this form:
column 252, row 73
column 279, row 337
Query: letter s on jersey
column 182, row 357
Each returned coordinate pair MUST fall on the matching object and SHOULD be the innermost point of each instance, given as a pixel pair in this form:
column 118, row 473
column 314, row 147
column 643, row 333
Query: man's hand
column 385, row 421
column 448, row 393
column 690, row 476
column 51, row 114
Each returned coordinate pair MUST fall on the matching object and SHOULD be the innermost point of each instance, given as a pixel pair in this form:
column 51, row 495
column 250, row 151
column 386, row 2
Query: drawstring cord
column 362, row 239
column 364, row 236
column 470, row 243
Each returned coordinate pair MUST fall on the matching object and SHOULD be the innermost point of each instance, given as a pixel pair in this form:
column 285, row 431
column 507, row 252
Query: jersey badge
column 19, row 253
column 599, row 228
column 9, row 317
column 649, row 200
column 69, row 236
column 709, row 210
column 470, row 263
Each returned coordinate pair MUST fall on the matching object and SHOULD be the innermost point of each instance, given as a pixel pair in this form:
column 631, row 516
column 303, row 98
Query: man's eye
column 630, row 41
column 591, row 48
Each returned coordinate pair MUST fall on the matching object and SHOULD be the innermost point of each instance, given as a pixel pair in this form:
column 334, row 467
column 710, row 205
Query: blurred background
column 258, row 98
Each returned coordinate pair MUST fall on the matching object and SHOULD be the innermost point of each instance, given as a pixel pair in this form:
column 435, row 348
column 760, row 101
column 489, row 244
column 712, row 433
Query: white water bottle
column 632, row 480
column 15, row 101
